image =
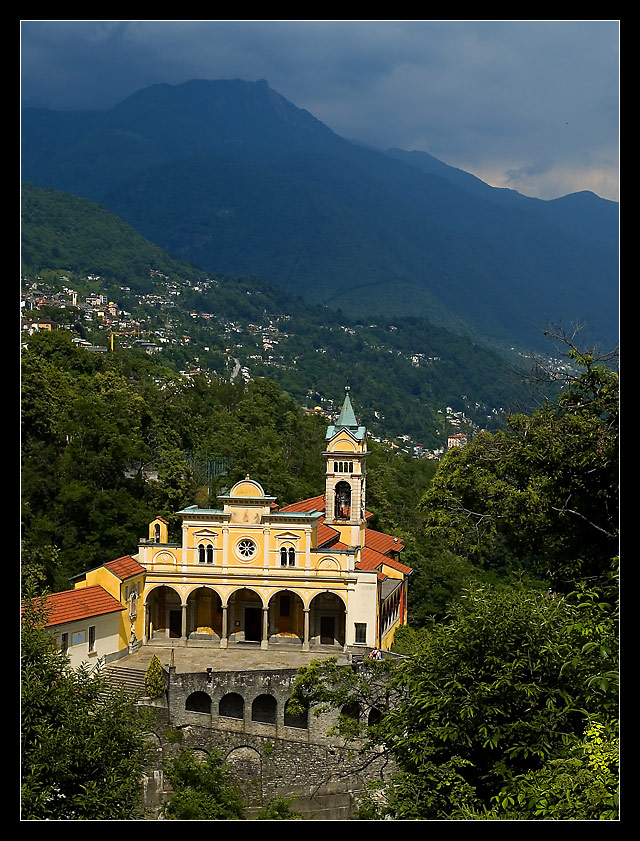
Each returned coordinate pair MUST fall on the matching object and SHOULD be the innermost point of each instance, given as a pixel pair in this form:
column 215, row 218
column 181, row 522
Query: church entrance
column 327, row 630
column 175, row 624
column 327, row 620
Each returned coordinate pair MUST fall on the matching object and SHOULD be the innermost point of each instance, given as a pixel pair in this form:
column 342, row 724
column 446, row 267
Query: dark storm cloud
column 527, row 104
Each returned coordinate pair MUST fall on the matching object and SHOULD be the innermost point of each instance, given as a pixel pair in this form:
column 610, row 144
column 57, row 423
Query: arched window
column 287, row 556
column 205, row 553
column 343, row 501
column 231, row 705
column 156, row 532
column 198, row 702
column 263, row 709
column 297, row 719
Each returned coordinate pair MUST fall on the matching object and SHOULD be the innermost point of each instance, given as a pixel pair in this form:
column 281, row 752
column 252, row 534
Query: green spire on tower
column 347, row 416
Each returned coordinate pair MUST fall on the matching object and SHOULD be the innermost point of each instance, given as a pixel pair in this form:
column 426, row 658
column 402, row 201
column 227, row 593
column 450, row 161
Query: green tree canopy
column 83, row 744
column 202, row 790
column 492, row 701
column 543, row 493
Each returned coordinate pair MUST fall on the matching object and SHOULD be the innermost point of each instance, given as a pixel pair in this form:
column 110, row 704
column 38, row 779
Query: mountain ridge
column 415, row 240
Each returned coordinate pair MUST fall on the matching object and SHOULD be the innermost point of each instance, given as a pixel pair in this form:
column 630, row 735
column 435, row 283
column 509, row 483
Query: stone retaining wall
column 265, row 758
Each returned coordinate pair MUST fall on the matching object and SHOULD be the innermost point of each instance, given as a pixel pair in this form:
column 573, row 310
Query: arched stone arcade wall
column 265, row 759
column 243, row 702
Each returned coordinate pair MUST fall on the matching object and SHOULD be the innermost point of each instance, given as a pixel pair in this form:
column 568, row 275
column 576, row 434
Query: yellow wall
column 117, row 588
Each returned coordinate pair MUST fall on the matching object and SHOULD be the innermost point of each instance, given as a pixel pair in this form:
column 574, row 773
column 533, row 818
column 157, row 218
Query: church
column 306, row 575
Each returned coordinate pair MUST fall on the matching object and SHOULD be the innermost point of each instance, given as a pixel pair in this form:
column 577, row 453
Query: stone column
column 184, row 621
column 224, row 639
column 305, row 641
column 265, row 628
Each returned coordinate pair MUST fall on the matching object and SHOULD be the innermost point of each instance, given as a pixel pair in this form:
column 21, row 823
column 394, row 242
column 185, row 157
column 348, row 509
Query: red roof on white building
column 84, row 603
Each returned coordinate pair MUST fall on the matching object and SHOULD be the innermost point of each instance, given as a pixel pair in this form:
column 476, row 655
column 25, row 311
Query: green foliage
column 499, row 692
column 202, row 790
column 82, row 746
column 541, row 495
column 154, row 678
column 581, row 786
column 279, row 809
column 92, row 423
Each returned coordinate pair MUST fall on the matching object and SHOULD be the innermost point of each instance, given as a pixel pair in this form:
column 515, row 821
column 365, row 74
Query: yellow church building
column 301, row 576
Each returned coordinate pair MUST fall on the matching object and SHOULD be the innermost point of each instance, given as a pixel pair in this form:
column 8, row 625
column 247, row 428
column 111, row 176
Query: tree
column 582, row 786
column 83, row 744
column 154, row 678
column 541, row 495
column 202, row 790
column 495, row 698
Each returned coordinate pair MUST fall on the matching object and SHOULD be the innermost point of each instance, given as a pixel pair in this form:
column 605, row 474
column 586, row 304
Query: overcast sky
column 532, row 105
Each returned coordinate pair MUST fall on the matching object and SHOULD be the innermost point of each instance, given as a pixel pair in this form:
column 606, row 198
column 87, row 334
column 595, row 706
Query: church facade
column 301, row 576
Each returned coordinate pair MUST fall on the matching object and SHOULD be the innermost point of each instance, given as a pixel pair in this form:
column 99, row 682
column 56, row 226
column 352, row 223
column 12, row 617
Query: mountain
column 230, row 175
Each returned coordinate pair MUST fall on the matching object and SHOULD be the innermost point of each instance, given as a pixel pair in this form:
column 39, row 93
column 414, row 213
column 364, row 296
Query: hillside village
column 243, row 349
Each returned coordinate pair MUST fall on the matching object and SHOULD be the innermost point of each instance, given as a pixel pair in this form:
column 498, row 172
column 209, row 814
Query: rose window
column 246, row 548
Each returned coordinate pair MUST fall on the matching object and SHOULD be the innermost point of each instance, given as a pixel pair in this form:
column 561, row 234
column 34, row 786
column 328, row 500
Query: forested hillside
column 404, row 373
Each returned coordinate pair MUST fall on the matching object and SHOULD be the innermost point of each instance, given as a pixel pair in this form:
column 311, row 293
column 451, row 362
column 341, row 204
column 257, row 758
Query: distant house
column 39, row 325
column 458, row 439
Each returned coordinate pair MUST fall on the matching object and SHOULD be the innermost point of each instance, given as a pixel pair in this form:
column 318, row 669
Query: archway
column 245, row 767
column 342, row 507
column 299, row 719
column 286, row 619
column 164, row 614
column 198, row 702
column 204, row 614
column 246, row 617
column 231, row 706
column 328, row 620
column 263, row 709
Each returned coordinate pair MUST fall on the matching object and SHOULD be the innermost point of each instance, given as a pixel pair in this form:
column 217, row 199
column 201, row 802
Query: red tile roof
column 382, row 543
column 370, row 559
column 326, row 534
column 314, row 503
column 86, row 602
column 394, row 564
column 124, row 567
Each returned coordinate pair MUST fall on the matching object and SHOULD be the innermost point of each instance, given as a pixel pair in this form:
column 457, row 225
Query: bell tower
column 345, row 481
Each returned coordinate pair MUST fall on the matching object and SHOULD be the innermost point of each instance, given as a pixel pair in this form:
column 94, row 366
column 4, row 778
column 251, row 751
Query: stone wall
column 266, row 757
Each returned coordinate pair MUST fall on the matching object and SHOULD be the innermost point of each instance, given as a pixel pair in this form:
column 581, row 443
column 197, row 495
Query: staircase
column 131, row 680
